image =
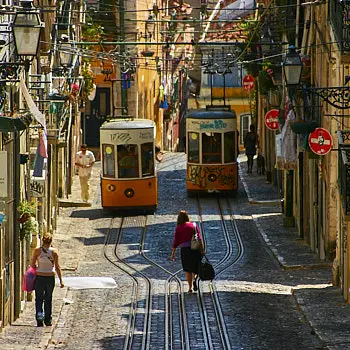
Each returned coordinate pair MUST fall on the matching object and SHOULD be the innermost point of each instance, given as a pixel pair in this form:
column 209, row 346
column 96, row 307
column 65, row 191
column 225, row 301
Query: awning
column 32, row 106
column 11, row 124
column 238, row 9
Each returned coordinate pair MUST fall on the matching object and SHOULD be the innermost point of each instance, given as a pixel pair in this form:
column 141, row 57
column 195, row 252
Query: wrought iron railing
column 339, row 14
column 344, row 168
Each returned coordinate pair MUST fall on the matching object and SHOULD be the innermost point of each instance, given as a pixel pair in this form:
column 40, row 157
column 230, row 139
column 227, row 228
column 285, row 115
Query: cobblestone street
column 275, row 295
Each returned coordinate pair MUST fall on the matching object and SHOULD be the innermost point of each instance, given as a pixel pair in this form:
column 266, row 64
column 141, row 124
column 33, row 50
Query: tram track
column 175, row 311
column 114, row 238
column 178, row 295
column 210, row 308
column 177, row 334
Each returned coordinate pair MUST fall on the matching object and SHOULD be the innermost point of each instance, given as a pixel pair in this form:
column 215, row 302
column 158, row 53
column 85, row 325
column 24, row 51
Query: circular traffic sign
column 271, row 119
column 248, row 82
column 320, row 141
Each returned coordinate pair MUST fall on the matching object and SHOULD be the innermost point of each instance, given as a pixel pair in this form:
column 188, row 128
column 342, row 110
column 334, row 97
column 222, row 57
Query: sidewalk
column 24, row 330
column 324, row 307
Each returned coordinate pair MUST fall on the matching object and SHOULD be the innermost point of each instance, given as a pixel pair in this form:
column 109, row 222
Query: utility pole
column 123, row 87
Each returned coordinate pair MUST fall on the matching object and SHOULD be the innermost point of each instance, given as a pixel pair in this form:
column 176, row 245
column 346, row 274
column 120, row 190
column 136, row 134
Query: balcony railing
column 344, row 168
column 339, row 13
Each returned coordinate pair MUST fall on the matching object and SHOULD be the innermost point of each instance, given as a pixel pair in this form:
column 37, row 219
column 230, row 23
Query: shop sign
column 37, row 185
column 320, row 141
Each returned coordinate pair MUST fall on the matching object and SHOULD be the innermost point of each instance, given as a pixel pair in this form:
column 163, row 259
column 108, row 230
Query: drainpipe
column 124, row 100
column 16, row 243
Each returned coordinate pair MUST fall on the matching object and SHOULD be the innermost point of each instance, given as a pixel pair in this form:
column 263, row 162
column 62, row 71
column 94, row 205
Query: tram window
column 229, row 147
column 211, row 147
column 108, row 160
column 193, row 147
column 128, row 165
column 147, row 159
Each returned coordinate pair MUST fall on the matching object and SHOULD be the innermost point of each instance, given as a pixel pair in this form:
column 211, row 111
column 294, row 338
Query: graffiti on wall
column 220, row 176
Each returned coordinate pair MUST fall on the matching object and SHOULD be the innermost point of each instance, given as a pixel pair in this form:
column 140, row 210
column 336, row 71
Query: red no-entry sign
column 248, row 82
column 320, row 141
column 271, row 119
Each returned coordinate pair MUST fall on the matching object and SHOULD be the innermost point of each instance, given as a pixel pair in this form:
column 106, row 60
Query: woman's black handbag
column 206, row 270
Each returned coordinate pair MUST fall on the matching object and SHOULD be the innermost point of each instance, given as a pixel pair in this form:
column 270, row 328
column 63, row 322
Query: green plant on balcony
column 265, row 79
column 89, row 78
column 92, row 31
column 28, row 223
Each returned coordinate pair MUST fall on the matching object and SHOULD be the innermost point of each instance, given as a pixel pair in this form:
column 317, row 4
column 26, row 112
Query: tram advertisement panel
column 210, row 125
column 124, row 137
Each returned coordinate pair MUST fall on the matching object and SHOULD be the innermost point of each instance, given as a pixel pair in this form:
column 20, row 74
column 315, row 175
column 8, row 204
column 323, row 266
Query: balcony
column 344, row 168
column 339, row 13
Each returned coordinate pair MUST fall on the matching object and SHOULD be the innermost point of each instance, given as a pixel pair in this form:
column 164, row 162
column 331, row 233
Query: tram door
column 95, row 115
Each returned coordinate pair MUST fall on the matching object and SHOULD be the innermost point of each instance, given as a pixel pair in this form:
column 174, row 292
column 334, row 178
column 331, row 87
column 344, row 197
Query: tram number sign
column 320, row 141
column 248, row 82
column 271, row 119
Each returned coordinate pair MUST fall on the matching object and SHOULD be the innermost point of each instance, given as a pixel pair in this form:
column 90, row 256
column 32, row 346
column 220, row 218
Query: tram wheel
column 191, row 194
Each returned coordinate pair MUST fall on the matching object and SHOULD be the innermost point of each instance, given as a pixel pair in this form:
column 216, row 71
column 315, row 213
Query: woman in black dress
column 251, row 141
column 189, row 258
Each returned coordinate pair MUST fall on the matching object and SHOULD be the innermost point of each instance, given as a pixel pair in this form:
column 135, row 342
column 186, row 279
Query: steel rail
column 133, row 306
column 133, row 303
column 227, row 261
column 221, row 326
column 185, row 343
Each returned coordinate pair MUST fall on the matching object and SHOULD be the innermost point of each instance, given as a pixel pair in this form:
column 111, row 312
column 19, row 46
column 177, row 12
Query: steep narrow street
column 267, row 294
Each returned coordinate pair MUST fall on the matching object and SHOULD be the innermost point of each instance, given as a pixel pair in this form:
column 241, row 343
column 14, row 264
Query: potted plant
column 28, row 224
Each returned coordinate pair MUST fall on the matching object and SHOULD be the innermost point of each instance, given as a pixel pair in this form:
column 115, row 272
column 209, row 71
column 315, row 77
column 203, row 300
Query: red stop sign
column 320, row 141
column 271, row 119
column 248, row 82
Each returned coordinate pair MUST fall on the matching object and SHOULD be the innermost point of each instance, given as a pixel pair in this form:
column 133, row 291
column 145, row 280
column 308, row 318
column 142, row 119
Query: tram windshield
column 211, row 147
column 108, row 167
column 128, row 165
column 193, row 147
column 147, row 159
column 229, row 147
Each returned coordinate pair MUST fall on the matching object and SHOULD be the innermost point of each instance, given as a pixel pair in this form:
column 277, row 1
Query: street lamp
column 150, row 27
column 292, row 67
column 26, row 30
column 64, row 52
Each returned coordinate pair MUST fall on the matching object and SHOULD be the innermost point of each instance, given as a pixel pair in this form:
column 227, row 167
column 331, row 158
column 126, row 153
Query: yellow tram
column 212, row 149
column 128, row 174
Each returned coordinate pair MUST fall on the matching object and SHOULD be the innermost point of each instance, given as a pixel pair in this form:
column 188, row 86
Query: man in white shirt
column 84, row 161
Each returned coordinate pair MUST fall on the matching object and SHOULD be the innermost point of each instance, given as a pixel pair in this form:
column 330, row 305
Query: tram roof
column 128, row 124
column 211, row 114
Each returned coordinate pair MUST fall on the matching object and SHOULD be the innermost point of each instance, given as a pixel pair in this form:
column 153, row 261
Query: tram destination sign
column 210, row 125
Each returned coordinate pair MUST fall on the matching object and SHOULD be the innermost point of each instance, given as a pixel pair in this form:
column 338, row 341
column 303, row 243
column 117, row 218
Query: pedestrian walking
column 84, row 161
column 189, row 258
column 46, row 262
column 251, row 142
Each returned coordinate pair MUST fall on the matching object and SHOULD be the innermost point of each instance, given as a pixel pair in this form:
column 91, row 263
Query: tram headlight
column 129, row 192
column 110, row 188
column 212, row 178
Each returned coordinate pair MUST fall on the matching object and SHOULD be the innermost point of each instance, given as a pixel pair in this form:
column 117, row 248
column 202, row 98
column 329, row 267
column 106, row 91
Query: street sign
column 320, row 141
column 271, row 119
column 248, row 82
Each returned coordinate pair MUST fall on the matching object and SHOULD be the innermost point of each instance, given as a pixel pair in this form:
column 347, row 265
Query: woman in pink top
column 189, row 258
